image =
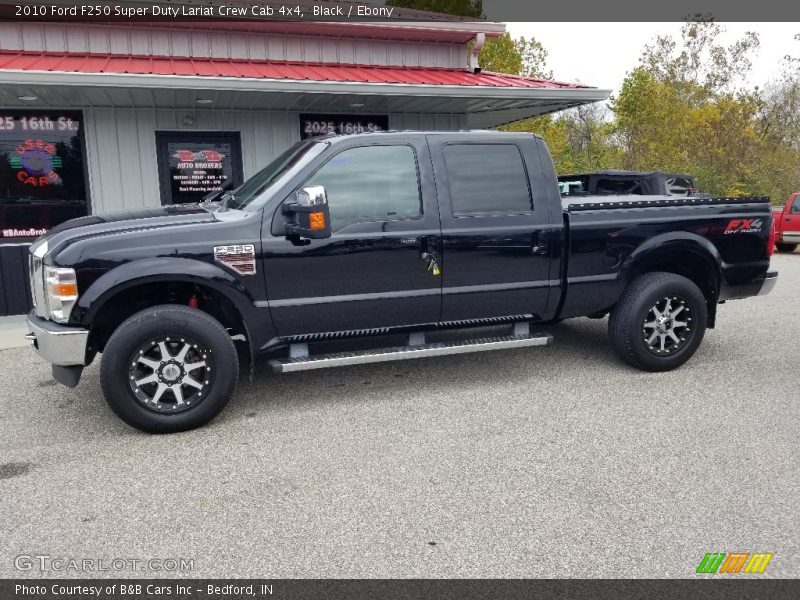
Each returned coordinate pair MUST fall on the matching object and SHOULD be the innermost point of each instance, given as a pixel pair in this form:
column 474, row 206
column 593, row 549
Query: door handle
column 427, row 246
column 540, row 243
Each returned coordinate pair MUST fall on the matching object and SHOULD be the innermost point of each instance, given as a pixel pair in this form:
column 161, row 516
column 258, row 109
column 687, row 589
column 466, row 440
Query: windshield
column 247, row 193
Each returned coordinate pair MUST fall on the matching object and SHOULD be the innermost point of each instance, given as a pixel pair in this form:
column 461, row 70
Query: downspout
column 474, row 66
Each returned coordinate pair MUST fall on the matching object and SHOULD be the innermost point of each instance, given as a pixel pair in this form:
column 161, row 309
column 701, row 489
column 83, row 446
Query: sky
column 600, row 54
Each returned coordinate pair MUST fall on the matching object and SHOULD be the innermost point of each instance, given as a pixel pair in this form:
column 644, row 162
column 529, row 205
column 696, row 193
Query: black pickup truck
column 360, row 239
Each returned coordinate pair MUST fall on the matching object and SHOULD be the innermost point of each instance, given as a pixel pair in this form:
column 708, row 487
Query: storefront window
column 195, row 164
column 42, row 179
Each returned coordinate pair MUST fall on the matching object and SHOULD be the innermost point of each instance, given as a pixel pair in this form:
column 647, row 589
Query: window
column 486, row 178
column 567, row 187
column 375, row 183
column 795, row 210
column 619, row 186
column 194, row 164
column 41, row 172
column 250, row 191
column 679, row 186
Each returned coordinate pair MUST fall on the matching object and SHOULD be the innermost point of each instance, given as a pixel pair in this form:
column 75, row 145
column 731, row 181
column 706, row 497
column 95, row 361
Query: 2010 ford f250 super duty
column 373, row 235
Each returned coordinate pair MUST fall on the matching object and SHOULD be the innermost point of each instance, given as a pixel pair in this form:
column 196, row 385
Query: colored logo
column 188, row 156
column 734, row 562
column 36, row 161
column 744, row 226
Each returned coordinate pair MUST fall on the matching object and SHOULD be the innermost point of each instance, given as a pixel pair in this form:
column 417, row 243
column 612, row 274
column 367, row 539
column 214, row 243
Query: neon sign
column 36, row 161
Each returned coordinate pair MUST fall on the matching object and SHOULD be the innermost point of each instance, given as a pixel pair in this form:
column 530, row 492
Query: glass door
column 193, row 164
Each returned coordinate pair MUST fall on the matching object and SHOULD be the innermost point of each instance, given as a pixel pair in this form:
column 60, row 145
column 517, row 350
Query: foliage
column 682, row 108
column 522, row 56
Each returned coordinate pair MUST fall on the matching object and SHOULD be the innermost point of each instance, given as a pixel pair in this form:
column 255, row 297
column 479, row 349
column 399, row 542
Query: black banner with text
column 404, row 589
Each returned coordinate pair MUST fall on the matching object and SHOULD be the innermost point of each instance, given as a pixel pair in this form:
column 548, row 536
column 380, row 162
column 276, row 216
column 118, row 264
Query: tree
column 500, row 55
column 580, row 138
column 698, row 65
column 684, row 109
column 520, row 56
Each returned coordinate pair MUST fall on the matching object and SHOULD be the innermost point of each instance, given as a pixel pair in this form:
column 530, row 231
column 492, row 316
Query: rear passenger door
column 496, row 246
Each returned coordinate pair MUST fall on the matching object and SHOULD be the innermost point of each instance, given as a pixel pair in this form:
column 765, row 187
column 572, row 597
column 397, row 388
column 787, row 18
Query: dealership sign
column 35, row 162
column 322, row 124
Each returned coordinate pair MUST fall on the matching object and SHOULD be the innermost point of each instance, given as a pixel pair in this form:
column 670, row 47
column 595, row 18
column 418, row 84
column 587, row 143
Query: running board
column 301, row 361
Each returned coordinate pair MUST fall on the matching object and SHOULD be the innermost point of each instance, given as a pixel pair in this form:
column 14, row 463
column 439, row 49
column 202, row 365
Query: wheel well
column 129, row 301
column 694, row 266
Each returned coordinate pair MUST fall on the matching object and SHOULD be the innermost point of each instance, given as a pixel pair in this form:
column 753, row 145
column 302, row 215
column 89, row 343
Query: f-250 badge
column 743, row 226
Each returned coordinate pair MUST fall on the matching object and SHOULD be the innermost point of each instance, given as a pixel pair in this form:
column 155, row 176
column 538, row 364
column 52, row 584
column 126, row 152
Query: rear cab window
column 487, row 179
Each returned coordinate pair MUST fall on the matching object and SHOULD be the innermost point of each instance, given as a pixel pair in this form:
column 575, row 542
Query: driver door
column 371, row 273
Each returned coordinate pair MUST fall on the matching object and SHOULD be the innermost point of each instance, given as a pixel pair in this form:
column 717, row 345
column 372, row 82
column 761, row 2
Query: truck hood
column 108, row 223
column 135, row 219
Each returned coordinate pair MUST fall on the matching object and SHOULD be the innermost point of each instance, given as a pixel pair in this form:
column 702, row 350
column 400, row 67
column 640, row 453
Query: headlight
column 61, row 290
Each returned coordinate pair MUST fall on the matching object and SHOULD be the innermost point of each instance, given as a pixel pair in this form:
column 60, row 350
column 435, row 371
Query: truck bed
column 607, row 234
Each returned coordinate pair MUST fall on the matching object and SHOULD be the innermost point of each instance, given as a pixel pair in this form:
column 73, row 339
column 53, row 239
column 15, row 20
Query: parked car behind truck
column 362, row 237
column 617, row 182
column 786, row 222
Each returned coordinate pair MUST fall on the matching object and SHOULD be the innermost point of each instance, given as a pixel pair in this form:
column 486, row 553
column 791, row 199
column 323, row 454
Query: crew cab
column 361, row 239
column 786, row 223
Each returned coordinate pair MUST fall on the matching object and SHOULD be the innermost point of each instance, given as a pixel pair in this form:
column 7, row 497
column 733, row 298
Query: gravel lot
column 540, row 462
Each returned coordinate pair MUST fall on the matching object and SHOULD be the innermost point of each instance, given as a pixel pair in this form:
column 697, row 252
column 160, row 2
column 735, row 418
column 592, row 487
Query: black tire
column 786, row 247
column 630, row 329
column 181, row 329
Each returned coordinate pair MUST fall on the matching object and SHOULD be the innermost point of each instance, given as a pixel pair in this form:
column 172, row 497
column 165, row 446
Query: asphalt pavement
column 539, row 462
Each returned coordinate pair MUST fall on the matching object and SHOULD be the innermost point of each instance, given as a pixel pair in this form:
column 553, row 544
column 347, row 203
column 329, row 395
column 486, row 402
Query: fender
column 674, row 240
column 150, row 270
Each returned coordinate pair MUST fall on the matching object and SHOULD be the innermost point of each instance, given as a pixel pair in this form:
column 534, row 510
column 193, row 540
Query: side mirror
column 310, row 216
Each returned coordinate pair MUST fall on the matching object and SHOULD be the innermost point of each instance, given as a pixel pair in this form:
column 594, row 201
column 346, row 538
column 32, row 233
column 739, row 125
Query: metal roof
column 62, row 62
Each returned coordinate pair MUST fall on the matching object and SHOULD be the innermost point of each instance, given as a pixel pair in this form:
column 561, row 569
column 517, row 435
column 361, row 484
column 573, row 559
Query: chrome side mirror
column 310, row 216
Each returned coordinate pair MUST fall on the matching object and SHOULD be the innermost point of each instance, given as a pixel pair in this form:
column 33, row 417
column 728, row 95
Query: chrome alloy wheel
column 667, row 326
column 170, row 375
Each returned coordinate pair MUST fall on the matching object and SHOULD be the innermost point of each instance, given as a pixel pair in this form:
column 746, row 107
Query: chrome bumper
column 790, row 237
column 58, row 344
column 769, row 283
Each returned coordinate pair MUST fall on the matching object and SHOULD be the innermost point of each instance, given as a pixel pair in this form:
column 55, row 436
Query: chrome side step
column 297, row 361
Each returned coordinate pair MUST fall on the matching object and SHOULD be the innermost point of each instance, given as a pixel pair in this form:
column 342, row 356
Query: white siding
column 57, row 37
column 437, row 122
column 121, row 145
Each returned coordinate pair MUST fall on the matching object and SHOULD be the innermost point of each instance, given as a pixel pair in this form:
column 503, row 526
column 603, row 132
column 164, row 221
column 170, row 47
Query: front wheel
column 659, row 322
column 169, row 368
column 786, row 247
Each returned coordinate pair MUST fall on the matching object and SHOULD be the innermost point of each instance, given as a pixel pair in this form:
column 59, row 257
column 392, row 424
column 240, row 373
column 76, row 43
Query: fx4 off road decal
column 744, row 226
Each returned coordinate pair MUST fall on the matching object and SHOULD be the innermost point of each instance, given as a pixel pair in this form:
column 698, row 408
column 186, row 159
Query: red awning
column 242, row 68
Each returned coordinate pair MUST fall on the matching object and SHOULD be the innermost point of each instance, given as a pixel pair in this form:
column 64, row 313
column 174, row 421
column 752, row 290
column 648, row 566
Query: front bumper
column 58, row 344
column 769, row 282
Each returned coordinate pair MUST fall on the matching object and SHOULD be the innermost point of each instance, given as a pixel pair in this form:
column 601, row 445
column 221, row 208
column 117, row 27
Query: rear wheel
column 169, row 368
column 659, row 322
column 786, row 247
